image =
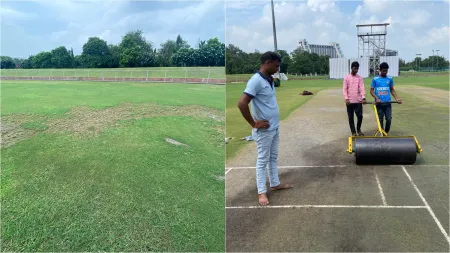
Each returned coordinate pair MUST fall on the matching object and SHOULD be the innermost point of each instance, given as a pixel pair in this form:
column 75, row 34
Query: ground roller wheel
column 385, row 151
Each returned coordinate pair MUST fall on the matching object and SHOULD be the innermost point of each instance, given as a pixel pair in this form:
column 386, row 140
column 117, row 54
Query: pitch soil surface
column 325, row 209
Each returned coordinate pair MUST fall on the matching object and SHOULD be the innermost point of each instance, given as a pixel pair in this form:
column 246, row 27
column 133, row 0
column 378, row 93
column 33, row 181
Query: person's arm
column 394, row 93
column 345, row 90
column 249, row 93
column 372, row 91
column 362, row 91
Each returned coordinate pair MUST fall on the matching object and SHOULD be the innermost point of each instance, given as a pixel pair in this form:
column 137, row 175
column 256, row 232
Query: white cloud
column 376, row 6
column 438, row 35
column 70, row 23
column 414, row 26
column 9, row 13
column 321, row 5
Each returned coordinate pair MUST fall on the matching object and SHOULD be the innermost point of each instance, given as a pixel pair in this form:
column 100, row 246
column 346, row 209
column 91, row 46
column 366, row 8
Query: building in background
column 333, row 50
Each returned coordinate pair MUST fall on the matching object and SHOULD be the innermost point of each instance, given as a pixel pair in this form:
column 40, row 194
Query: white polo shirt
column 264, row 104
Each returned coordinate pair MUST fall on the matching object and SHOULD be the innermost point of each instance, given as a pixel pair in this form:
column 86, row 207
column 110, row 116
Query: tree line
column 301, row 62
column 297, row 62
column 133, row 51
column 432, row 62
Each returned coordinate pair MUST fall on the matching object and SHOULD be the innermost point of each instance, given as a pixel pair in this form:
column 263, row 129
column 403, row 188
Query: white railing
column 213, row 76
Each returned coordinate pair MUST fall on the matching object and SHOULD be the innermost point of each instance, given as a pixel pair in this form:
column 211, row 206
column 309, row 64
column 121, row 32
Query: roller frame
column 380, row 133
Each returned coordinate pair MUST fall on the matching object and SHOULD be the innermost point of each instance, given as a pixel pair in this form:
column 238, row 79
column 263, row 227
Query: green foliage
column 133, row 51
column 95, row 53
column 7, row 62
column 301, row 62
column 136, row 51
column 61, row 58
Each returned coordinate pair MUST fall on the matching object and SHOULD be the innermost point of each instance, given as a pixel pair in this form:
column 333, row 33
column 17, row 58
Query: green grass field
column 88, row 167
column 172, row 72
column 414, row 114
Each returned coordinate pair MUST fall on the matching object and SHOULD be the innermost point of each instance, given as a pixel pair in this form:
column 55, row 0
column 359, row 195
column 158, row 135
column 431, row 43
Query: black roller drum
column 385, row 150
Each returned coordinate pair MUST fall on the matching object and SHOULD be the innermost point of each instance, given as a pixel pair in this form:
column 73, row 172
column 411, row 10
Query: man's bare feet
column 282, row 187
column 263, row 200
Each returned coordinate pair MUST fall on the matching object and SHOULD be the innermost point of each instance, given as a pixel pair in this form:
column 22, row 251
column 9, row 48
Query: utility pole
column 275, row 35
column 432, row 62
column 419, row 60
column 437, row 58
column 274, row 29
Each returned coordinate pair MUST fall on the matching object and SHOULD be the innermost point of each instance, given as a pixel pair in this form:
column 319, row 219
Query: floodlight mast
column 372, row 44
column 274, row 32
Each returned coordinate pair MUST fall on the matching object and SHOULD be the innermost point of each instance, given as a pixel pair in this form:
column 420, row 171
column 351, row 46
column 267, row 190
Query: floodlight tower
column 274, row 34
column 372, row 43
column 418, row 56
column 274, row 29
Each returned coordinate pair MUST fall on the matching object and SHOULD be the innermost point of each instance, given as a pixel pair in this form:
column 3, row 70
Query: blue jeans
column 267, row 143
column 385, row 111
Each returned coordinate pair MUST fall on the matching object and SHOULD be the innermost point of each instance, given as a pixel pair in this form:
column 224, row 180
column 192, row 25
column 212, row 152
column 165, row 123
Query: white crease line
column 325, row 206
column 423, row 165
column 427, row 206
column 226, row 172
column 381, row 190
column 294, row 167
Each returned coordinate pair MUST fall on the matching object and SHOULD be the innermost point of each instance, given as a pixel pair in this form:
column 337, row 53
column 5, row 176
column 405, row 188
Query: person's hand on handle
column 378, row 101
column 347, row 101
column 399, row 100
column 364, row 101
column 261, row 124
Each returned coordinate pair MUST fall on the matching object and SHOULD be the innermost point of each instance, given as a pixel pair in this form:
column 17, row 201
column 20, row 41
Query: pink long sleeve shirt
column 353, row 88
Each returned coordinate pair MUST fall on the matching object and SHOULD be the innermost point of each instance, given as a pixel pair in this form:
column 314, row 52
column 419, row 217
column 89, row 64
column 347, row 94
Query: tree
column 7, row 62
column 165, row 53
column 95, row 53
column 114, row 56
column 181, row 43
column 135, row 51
column 212, row 53
column 61, row 58
column 42, row 60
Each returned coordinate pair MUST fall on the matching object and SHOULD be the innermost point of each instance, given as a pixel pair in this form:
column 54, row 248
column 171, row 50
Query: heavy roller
column 382, row 148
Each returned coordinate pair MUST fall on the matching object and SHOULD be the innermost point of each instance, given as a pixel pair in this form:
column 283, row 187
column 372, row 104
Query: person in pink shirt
column 355, row 96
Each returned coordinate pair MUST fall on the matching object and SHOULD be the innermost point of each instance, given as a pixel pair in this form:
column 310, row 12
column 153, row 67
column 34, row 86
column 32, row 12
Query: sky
column 416, row 27
column 29, row 27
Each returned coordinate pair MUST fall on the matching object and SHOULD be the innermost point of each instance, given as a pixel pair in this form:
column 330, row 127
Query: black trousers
column 353, row 109
column 385, row 111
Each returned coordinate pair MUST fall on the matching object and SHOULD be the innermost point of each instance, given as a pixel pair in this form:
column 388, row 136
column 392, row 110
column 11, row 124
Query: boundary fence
column 164, row 76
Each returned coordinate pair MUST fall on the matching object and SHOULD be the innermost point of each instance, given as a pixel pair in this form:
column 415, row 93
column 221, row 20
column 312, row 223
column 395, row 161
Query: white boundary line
column 325, row 206
column 228, row 170
column 334, row 166
column 427, row 206
column 381, row 189
column 293, row 167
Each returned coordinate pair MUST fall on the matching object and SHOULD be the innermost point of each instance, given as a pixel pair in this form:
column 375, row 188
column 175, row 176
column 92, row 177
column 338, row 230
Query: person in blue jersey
column 265, row 121
column 381, row 89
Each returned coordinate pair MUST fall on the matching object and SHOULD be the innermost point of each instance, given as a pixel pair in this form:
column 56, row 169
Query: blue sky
column 29, row 27
column 415, row 26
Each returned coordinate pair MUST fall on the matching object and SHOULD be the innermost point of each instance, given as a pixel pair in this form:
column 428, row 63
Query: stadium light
column 274, row 33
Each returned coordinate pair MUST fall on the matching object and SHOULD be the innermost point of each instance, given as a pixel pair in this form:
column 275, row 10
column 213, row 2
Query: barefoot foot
column 263, row 200
column 282, row 187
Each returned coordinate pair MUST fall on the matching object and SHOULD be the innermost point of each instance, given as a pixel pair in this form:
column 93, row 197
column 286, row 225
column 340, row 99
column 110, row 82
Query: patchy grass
column 124, row 188
column 289, row 100
column 57, row 98
column 35, row 125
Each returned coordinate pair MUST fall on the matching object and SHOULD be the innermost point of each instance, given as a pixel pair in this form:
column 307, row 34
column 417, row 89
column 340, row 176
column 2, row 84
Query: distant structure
column 333, row 50
column 372, row 44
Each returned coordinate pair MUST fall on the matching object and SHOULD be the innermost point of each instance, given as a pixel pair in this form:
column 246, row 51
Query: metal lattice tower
column 372, row 43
